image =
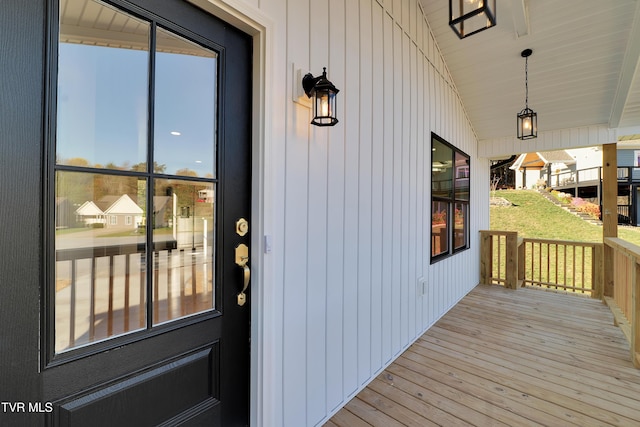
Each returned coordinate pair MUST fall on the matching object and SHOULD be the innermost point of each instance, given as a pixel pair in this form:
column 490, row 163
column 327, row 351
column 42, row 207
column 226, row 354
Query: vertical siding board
column 387, row 192
column 317, row 230
column 335, row 215
column 364, row 196
column 397, row 189
column 421, row 165
column 296, row 244
column 426, row 182
column 352, row 141
column 413, row 186
column 377, row 205
column 406, row 134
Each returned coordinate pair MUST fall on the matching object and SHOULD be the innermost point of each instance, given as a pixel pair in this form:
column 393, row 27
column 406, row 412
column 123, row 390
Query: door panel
column 143, row 325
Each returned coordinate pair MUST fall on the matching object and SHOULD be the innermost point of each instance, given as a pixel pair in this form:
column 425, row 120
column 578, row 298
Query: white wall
column 347, row 208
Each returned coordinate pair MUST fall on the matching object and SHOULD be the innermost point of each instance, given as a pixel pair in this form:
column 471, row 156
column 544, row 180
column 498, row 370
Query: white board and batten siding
column 347, row 208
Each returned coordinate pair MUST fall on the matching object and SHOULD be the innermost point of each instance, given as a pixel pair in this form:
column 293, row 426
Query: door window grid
column 107, row 284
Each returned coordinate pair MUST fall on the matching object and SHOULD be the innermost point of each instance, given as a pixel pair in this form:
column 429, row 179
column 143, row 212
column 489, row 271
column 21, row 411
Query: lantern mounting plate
column 526, row 53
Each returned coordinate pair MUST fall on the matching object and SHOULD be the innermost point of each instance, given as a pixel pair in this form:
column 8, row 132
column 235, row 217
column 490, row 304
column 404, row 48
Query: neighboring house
column 322, row 269
column 89, row 214
column 579, row 172
column 122, row 212
column 532, row 167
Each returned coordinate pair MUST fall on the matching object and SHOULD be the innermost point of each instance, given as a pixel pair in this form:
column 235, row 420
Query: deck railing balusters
column 552, row 264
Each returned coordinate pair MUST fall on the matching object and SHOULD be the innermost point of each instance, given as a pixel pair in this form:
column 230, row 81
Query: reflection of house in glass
column 110, row 211
column 122, row 211
column 90, row 214
column 206, row 195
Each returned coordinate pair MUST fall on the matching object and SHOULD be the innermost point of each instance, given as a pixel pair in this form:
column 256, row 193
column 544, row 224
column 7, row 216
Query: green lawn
column 536, row 217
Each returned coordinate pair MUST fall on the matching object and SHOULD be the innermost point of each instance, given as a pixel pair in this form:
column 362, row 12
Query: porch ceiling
column 584, row 69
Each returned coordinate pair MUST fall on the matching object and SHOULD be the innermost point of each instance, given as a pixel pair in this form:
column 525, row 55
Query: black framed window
column 450, row 177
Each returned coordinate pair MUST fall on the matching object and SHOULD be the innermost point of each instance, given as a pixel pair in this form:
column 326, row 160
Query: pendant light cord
column 526, row 82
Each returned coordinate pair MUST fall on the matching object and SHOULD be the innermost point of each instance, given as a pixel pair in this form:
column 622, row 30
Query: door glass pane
column 183, row 235
column 185, row 107
column 100, row 257
column 102, row 87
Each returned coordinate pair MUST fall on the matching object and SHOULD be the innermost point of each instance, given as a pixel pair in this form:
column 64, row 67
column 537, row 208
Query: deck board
column 508, row 358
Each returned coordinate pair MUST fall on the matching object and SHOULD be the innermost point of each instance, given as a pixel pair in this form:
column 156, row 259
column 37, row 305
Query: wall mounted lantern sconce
column 467, row 17
column 323, row 94
column 527, row 118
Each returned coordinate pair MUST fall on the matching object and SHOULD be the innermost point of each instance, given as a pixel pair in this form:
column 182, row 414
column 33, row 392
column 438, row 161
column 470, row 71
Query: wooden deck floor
column 508, row 358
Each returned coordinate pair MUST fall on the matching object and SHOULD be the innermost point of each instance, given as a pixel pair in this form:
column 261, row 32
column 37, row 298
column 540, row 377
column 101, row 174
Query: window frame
column 452, row 201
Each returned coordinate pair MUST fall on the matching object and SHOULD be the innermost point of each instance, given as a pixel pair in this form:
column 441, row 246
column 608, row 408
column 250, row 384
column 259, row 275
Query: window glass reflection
column 439, row 228
column 441, row 170
column 102, row 87
column 183, row 234
column 100, row 257
column 460, row 225
column 185, row 100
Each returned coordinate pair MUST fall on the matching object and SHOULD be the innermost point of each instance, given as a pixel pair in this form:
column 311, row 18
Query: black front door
column 147, row 182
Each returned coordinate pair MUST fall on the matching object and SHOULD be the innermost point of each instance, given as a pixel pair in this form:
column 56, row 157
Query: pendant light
column 467, row 17
column 527, row 118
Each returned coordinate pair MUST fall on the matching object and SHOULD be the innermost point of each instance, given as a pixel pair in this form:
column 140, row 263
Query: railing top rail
column 499, row 232
column 623, row 246
column 562, row 242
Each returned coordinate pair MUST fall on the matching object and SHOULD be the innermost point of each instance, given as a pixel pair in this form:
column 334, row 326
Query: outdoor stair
column 583, row 215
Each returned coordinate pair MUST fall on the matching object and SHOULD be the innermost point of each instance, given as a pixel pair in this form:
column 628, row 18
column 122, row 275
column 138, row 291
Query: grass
column 534, row 216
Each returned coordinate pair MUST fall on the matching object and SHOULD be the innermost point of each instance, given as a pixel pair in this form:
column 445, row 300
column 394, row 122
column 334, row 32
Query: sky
column 103, row 107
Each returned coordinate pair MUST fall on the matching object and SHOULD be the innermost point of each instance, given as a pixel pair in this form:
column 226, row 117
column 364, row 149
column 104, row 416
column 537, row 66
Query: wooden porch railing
column 107, row 290
column 625, row 302
column 574, row 267
column 512, row 261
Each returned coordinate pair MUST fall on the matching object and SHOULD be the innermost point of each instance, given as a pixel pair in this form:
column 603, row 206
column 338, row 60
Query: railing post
column 512, row 261
column 597, row 271
column 635, row 316
column 486, row 257
column 609, row 210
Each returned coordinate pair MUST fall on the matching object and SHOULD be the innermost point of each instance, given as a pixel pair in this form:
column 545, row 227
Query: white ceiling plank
column 629, row 70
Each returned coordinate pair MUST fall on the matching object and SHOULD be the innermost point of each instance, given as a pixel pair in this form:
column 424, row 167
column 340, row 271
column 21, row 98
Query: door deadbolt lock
column 242, row 227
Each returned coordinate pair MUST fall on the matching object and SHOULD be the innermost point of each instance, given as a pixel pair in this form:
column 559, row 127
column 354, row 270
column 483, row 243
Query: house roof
column 124, row 205
column 89, row 209
column 584, row 70
column 538, row 160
